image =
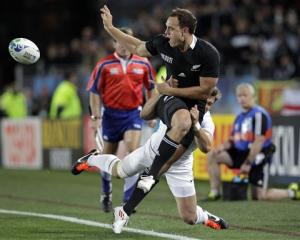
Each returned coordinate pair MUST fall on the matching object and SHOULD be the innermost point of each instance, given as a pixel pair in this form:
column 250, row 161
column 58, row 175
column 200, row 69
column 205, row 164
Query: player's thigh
column 221, row 157
column 181, row 181
column 181, row 118
column 132, row 139
column 167, row 106
column 187, row 206
column 110, row 147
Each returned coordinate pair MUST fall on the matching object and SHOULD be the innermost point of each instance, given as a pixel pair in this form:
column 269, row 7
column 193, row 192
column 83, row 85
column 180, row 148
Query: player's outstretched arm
column 132, row 44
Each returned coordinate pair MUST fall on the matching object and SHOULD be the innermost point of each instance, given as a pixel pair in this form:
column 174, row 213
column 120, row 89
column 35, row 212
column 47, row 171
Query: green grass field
column 60, row 193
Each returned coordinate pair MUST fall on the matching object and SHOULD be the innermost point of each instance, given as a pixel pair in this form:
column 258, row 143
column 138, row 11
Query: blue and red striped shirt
column 121, row 83
column 247, row 125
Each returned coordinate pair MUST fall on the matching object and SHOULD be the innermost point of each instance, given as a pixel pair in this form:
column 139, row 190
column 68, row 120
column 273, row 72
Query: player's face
column 174, row 32
column 245, row 97
column 121, row 51
column 209, row 102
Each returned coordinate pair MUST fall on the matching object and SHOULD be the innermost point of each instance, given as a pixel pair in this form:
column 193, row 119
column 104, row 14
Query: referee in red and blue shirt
column 116, row 88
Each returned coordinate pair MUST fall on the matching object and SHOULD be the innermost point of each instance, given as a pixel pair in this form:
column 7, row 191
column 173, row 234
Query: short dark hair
column 185, row 19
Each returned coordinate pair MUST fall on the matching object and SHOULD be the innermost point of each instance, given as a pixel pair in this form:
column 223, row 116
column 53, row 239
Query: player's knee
column 182, row 122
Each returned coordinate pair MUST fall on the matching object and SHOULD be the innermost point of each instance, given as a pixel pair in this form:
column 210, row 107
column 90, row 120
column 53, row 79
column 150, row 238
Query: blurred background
column 259, row 42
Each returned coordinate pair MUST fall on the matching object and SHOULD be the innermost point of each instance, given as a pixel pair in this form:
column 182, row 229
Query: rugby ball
column 24, row 51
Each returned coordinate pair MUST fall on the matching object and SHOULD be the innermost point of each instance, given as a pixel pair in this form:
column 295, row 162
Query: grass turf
column 59, row 192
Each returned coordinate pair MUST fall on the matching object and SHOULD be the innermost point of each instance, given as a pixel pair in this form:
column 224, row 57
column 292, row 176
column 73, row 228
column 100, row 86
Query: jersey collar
column 119, row 58
column 193, row 43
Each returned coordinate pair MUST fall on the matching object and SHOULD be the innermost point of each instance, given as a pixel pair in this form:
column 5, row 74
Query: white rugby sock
column 104, row 162
column 201, row 216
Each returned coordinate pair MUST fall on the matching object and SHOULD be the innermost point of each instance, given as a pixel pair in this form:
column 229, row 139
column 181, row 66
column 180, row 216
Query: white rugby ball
column 24, row 51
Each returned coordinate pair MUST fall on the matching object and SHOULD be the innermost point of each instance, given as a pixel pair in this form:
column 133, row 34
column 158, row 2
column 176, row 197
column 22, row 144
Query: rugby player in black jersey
column 193, row 64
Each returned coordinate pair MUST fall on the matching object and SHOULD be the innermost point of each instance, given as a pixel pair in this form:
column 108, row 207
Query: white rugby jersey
column 186, row 160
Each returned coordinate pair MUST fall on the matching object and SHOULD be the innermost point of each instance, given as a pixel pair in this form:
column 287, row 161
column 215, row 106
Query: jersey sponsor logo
column 166, row 58
column 196, row 67
column 181, row 75
column 113, row 71
column 138, row 71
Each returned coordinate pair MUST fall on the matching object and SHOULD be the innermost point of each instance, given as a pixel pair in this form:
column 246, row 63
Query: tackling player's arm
column 132, row 44
column 148, row 111
column 203, row 138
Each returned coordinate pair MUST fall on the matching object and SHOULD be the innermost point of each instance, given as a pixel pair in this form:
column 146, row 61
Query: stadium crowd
column 257, row 40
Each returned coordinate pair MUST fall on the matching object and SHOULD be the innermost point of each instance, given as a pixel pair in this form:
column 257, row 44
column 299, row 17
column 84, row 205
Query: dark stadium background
column 44, row 21
column 263, row 22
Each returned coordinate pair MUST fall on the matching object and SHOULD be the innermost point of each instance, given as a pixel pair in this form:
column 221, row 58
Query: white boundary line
column 96, row 224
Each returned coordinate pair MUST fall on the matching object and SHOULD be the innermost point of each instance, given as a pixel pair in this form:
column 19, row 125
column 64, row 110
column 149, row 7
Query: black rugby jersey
column 203, row 60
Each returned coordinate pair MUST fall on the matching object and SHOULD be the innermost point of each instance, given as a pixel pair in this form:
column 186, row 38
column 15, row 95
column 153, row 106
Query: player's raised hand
column 106, row 17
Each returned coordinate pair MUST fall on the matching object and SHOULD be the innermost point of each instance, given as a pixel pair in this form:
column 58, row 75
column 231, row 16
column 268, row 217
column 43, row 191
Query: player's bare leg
column 214, row 159
column 193, row 214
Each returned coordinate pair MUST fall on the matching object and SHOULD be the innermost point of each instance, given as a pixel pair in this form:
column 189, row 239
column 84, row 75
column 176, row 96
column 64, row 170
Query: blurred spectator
column 41, row 103
column 254, row 37
column 65, row 103
column 13, row 103
column 286, row 68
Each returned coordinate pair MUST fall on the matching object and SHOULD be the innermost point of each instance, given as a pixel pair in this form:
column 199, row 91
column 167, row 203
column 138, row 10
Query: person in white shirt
column 178, row 170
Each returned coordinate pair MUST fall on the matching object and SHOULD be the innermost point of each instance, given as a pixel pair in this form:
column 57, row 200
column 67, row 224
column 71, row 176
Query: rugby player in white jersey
column 178, row 170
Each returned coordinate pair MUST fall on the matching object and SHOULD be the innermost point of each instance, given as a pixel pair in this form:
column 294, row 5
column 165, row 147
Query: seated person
column 249, row 149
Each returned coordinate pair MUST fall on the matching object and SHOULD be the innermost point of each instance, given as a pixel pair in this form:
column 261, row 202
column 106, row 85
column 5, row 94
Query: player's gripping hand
column 173, row 82
column 194, row 114
column 106, row 18
column 166, row 87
